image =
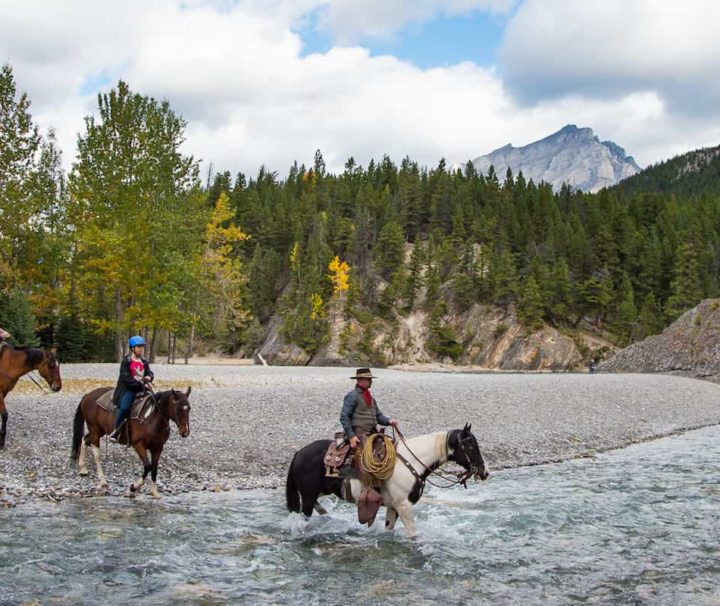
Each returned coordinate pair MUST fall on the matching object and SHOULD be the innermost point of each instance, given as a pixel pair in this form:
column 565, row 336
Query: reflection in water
column 641, row 525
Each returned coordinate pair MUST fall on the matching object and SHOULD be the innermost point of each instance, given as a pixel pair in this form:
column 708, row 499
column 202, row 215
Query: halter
column 451, row 479
column 29, row 376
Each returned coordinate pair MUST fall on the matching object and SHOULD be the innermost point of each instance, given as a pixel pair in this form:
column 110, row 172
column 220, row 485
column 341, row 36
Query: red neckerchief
column 367, row 396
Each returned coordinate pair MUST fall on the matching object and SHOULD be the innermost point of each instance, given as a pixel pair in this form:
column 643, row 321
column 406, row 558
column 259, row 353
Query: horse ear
column 467, row 427
column 189, row 389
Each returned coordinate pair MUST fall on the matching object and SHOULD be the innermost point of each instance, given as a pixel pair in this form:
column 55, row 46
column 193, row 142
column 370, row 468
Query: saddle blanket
column 142, row 407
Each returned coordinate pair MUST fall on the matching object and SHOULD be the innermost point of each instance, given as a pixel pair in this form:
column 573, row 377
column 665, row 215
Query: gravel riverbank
column 247, row 421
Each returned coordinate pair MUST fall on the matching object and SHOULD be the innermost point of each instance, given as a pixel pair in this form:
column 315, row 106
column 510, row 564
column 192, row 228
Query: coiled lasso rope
column 382, row 469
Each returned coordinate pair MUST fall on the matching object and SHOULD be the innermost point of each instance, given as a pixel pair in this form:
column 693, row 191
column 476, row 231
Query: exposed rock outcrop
column 572, row 155
column 691, row 346
column 490, row 338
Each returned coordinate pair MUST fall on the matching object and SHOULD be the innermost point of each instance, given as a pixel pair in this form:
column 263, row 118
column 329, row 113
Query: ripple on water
column 638, row 525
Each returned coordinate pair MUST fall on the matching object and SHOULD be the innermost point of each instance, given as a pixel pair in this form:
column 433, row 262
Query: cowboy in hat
column 360, row 414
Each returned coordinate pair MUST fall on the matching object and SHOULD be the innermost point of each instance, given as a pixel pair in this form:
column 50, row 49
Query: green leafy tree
column 17, row 318
column 129, row 174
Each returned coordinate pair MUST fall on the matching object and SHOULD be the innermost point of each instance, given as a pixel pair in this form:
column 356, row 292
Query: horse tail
column 78, row 430
column 292, row 495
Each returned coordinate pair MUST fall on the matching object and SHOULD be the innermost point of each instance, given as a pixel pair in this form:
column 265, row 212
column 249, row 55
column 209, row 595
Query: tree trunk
column 119, row 341
column 153, row 345
column 190, row 344
column 169, row 351
column 174, row 344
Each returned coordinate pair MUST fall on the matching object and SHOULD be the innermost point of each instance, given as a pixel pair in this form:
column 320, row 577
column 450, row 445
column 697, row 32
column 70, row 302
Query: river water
column 635, row 526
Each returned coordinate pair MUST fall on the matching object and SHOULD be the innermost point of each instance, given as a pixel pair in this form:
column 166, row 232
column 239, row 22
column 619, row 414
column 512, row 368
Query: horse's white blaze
column 98, row 465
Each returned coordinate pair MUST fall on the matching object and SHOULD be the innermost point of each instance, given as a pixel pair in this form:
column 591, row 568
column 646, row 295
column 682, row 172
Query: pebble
column 248, row 421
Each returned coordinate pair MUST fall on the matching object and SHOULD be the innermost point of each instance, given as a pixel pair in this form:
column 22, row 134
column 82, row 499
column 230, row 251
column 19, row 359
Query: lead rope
column 29, row 376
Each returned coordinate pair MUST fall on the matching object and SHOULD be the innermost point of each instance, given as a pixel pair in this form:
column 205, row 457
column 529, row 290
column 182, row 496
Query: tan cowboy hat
column 363, row 373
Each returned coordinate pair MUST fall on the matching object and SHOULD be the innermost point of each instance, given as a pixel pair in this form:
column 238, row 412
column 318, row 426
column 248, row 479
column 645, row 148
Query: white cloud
column 612, row 48
column 236, row 72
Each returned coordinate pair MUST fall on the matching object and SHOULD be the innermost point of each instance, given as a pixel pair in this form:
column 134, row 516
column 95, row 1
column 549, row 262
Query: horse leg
column 4, row 417
column 142, row 453
column 154, row 467
column 82, row 459
column 391, row 516
column 95, row 445
column 408, row 520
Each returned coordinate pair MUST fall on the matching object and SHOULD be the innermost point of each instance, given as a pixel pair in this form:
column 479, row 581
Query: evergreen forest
column 132, row 240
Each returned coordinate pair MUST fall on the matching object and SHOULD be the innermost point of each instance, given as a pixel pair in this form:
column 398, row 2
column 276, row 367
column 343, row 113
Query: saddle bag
column 368, row 505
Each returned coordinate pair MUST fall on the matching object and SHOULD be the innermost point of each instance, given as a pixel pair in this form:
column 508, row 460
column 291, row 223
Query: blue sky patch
column 438, row 43
column 96, row 82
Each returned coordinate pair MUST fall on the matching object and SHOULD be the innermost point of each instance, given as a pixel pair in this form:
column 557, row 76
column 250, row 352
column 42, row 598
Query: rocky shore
column 247, row 421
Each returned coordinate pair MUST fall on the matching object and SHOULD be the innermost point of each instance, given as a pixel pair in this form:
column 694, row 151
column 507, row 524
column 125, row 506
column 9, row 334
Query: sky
column 268, row 82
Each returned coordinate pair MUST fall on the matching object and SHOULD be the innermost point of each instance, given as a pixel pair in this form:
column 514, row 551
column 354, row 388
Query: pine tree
column 626, row 314
column 530, row 305
column 686, row 289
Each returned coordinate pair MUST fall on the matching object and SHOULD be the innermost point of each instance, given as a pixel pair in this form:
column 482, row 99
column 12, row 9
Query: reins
column 28, row 375
column 452, row 479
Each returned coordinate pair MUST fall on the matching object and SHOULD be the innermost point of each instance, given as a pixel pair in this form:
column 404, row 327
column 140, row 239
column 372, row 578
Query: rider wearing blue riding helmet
column 135, row 374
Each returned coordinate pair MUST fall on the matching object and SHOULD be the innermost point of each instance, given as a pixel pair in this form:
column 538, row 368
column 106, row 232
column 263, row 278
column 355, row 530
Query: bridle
column 450, row 479
column 29, row 376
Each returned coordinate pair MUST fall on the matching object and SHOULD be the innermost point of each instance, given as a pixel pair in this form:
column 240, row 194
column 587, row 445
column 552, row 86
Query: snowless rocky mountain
column 572, row 155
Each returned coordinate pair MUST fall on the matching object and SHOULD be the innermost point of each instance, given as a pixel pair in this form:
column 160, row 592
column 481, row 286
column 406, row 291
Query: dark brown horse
column 148, row 434
column 18, row 361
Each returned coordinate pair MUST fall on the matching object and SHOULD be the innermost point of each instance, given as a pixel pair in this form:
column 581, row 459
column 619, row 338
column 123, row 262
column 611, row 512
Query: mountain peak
column 571, row 155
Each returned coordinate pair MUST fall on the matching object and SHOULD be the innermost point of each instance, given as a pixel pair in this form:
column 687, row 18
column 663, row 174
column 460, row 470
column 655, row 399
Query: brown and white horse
column 146, row 434
column 18, row 361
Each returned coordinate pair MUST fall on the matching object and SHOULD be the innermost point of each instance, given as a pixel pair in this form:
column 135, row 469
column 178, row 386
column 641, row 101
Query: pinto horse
column 148, row 434
column 18, row 361
column 418, row 458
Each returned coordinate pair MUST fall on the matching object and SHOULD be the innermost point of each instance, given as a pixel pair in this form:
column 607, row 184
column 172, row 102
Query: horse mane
column 34, row 355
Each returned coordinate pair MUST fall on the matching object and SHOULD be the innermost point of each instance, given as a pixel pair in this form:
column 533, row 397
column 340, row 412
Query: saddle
column 143, row 407
column 338, row 456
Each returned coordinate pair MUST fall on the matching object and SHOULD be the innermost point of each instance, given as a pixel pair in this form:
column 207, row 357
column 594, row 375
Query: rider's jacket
column 126, row 381
column 358, row 417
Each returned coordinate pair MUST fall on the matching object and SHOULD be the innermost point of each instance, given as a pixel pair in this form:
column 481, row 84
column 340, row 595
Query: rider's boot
column 113, row 437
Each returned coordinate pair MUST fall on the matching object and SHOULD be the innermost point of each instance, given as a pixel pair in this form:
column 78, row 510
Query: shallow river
column 636, row 526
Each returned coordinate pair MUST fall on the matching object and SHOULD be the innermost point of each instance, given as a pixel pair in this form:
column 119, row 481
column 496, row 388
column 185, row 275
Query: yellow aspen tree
column 316, row 306
column 339, row 275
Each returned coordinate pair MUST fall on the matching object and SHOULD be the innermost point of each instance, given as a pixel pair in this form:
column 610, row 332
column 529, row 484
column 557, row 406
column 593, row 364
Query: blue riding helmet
column 135, row 341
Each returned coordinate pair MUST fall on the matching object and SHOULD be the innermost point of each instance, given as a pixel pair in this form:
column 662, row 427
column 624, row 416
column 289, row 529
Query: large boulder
column 691, row 346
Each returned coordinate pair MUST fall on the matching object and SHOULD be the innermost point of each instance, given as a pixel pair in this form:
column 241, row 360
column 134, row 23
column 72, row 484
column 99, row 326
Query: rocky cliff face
column 491, row 339
column 691, row 346
column 572, row 155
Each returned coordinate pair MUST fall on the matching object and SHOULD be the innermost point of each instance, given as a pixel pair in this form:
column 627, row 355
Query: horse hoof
column 83, row 473
column 133, row 488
